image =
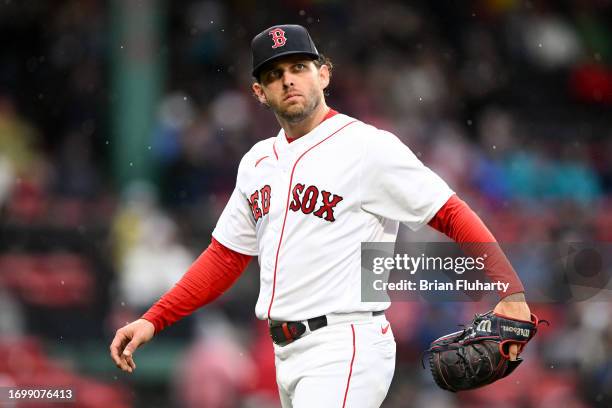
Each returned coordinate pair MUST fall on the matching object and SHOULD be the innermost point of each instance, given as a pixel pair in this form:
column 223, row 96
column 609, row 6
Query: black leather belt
column 283, row 333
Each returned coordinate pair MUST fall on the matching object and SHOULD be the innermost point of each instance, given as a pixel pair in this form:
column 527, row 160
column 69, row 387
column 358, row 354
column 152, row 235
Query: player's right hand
column 127, row 340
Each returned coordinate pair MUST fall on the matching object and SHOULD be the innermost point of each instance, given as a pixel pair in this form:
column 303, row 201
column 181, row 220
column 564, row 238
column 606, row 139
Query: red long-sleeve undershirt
column 218, row 267
column 214, row 272
column 457, row 221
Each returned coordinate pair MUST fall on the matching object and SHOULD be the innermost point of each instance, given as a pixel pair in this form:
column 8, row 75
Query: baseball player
column 304, row 201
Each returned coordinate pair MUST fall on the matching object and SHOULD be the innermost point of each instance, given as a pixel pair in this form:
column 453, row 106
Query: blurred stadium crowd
column 509, row 101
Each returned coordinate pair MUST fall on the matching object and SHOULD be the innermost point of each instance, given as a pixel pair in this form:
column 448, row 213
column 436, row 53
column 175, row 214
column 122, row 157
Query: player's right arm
column 214, row 272
column 218, row 267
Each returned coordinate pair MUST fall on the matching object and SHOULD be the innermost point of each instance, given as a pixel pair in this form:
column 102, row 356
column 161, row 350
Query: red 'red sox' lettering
column 265, row 198
column 310, row 199
column 257, row 210
column 306, row 199
column 297, row 191
column 328, row 206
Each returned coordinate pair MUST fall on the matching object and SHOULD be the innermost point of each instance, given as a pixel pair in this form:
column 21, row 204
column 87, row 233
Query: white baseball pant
column 348, row 363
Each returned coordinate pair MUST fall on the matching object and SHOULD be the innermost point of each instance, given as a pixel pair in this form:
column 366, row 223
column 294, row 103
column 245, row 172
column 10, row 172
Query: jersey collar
column 329, row 125
column 331, row 112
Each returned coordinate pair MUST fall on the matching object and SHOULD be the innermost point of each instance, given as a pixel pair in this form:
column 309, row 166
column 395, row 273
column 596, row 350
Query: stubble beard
column 293, row 115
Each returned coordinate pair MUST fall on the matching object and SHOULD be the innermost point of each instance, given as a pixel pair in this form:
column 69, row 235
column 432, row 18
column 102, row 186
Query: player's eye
column 300, row 67
column 273, row 75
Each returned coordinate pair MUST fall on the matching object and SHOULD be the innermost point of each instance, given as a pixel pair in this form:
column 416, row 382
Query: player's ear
column 259, row 93
column 324, row 76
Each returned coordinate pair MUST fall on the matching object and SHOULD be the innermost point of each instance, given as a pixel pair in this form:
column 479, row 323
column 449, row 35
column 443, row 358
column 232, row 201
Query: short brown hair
column 323, row 60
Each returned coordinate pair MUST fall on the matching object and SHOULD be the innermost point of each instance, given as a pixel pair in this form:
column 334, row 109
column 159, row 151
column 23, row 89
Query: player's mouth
column 291, row 96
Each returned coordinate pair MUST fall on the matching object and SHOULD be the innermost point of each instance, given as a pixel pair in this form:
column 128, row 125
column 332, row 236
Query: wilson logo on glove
column 484, row 326
column 517, row 330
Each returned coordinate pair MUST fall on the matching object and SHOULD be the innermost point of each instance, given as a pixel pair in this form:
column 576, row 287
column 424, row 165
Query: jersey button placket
column 278, row 206
column 282, row 199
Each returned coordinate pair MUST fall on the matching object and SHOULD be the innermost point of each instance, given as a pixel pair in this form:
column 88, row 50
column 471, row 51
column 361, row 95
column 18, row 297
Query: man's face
column 292, row 87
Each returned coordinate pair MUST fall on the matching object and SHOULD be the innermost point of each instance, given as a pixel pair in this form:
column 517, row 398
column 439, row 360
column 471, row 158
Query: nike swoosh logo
column 384, row 329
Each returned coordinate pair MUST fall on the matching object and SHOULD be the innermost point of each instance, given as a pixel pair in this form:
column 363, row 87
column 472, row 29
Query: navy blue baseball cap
column 278, row 41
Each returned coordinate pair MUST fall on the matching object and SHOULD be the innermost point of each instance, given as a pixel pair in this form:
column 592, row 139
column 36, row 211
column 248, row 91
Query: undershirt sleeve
column 214, row 272
column 456, row 220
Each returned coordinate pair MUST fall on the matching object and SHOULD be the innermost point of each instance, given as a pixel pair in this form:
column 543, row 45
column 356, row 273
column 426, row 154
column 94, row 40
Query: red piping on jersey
column 274, row 148
column 348, row 381
column 280, row 241
column 257, row 162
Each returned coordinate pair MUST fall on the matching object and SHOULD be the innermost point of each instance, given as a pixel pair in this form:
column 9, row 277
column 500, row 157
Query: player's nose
column 288, row 79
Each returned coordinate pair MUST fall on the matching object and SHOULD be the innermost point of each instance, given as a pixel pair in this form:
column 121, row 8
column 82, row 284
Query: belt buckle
column 290, row 331
column 273, row 323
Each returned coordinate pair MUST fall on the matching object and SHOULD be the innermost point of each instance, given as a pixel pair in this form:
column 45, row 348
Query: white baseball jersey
column 305, row 207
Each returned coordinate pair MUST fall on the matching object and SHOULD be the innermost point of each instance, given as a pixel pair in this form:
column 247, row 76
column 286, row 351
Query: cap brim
column 259, row 67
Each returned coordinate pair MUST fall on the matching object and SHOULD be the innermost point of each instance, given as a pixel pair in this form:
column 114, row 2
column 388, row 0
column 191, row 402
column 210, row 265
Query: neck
column 294, row 130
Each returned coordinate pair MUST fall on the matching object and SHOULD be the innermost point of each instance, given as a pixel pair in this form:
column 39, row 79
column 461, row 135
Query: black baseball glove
column 478, row 355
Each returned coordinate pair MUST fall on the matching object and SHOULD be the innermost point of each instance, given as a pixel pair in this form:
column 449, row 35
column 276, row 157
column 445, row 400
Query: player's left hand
column 514, row 306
